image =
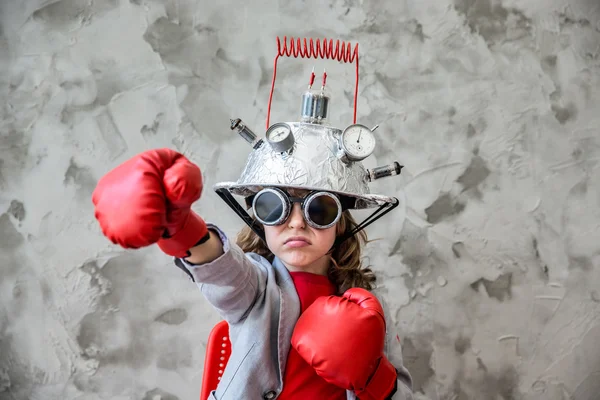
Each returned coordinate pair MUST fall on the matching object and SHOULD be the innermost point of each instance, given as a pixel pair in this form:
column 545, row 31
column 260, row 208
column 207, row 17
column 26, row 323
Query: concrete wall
column 491, row 265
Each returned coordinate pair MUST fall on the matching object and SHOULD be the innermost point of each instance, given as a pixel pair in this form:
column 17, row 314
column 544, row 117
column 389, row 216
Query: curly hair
column 346, row 270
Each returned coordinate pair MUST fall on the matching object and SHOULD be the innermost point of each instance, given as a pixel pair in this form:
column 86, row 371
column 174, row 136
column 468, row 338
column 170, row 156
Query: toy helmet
column 310, row 155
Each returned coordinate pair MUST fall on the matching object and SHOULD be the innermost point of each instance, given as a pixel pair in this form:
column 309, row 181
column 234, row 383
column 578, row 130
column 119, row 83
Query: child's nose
column 296, row 219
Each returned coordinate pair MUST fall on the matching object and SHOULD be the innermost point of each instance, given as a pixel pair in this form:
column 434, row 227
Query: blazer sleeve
column 393, row 351
column 232, row 282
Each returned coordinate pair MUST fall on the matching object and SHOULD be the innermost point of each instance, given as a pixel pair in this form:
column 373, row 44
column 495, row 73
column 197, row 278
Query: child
column 302, row 322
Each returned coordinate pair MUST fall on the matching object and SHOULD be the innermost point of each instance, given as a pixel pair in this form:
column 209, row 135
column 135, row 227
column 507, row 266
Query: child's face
column 309, row 252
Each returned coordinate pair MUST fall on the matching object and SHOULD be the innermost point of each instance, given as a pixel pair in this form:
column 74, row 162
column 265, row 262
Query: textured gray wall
column 491, row 265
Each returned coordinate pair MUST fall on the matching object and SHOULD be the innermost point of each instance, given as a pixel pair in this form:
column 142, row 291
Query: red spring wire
column 309, row 48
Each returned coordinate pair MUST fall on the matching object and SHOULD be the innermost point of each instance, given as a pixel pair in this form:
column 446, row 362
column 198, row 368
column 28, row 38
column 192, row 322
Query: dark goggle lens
column 323, row 210
column 268, row 207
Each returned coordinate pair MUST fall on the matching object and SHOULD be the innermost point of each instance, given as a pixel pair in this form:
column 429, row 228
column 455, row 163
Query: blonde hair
column 346, row 270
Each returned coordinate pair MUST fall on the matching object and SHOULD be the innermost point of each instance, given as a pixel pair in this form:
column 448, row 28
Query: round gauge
column 280, row 137
column 358, row 142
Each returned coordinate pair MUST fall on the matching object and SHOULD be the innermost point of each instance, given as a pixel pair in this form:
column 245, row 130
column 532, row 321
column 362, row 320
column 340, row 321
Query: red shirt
column 300, row 380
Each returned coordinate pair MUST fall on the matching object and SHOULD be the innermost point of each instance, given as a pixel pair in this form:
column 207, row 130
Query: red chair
column 218, row 350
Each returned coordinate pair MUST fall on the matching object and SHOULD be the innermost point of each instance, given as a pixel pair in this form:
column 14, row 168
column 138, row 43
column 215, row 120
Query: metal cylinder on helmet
column 315, row 107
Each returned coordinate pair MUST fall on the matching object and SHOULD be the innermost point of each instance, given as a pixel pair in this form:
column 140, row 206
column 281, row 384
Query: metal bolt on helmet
column 309, row 154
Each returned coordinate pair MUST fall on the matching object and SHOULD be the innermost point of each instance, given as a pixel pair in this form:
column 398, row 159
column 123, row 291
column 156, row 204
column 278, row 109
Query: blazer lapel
column 289, row 312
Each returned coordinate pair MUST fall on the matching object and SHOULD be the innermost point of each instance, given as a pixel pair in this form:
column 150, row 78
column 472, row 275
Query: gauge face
column 358, row 142
column 278, row 132
column 280, row 137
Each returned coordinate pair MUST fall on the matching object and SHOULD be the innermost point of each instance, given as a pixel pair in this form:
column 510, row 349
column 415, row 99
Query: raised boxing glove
column 147, row 199
column 342, row 338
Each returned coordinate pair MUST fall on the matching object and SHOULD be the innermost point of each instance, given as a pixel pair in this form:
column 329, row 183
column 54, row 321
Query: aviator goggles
column 273, row 206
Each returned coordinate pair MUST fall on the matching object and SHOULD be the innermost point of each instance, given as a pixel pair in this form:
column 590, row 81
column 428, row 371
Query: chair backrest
column 218, row 350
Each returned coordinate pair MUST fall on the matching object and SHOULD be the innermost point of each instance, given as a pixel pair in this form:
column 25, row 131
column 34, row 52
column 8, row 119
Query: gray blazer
column 259, row 301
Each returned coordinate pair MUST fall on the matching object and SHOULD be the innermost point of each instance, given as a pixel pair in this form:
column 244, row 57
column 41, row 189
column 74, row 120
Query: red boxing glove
column 342, row 338
column 148, row 199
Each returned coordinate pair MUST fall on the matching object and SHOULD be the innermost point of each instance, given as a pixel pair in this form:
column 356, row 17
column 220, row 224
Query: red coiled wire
column 310, row 48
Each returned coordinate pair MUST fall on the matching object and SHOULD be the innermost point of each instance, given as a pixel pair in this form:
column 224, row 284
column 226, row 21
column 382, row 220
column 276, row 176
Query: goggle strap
column 380, row 212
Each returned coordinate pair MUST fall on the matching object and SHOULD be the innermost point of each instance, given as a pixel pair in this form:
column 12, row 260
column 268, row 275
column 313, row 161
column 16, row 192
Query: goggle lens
column 268, row 207
column 323, row 210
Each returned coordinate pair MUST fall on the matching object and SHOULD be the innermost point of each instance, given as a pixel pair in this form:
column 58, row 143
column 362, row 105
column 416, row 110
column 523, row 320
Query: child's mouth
column 297, row 241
